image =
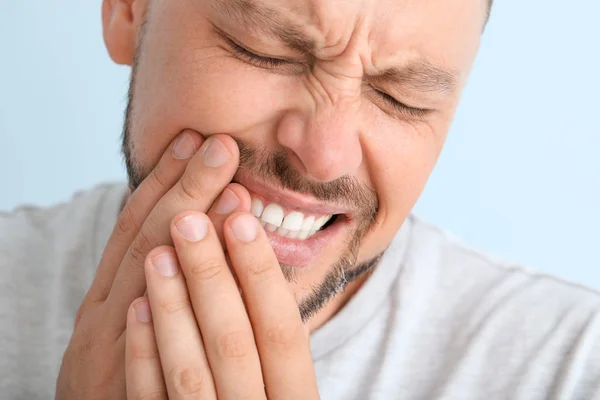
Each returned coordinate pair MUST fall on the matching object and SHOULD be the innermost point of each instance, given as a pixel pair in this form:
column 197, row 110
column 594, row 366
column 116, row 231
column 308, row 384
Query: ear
column 121, row 24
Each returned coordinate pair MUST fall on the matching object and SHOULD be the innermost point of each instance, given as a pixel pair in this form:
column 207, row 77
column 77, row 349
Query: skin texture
column 319, row 113
column 223, row 361
column 321, row 116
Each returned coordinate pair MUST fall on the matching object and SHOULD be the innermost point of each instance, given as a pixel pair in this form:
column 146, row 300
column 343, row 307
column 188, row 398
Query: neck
column 336, row 304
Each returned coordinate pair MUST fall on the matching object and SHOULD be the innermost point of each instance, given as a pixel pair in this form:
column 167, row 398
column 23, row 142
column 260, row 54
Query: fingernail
column 184, row 147
column 227, row 203
column 193, row 227
column 142, row 312
column 245, row 227
column 215, row 153
column 165, row 264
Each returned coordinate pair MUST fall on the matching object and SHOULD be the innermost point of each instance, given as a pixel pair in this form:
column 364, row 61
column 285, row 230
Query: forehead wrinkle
column 256, row 17
column 420, row 74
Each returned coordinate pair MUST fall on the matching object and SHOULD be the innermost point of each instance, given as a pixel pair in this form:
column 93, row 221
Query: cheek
column 187, row 80
column 401, row 159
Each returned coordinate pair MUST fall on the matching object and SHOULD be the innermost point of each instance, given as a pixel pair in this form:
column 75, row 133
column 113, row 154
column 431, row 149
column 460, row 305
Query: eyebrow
column 419, row 75
column 253, row 17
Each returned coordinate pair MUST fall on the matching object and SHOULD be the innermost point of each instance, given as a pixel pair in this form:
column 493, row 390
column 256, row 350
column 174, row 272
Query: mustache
column 274, row 167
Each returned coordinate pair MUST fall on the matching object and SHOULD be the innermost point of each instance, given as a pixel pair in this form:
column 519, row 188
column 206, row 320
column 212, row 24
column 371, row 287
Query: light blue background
column 519, row 177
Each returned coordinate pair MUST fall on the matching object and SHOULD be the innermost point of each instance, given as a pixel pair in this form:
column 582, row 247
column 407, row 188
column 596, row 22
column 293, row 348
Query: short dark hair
column 489, row 11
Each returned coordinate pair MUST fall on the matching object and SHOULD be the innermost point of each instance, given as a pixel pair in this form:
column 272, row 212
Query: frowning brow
column 420, row 75
column 254, row 17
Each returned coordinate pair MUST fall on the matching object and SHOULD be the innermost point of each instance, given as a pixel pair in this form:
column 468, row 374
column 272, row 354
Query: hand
column 195, row 337
column 93, row 363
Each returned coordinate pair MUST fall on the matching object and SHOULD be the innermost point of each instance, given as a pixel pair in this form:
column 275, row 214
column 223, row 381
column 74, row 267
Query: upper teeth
column 294, row 225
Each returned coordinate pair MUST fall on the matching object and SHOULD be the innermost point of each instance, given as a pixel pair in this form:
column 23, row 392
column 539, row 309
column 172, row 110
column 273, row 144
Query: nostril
column 295, row 161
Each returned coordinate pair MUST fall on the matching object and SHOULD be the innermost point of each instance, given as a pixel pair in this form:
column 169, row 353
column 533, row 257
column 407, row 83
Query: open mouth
column 291, row 224
column 299, row 228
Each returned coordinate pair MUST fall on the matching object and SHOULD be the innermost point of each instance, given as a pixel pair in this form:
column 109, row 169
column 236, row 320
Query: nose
column 324, row 144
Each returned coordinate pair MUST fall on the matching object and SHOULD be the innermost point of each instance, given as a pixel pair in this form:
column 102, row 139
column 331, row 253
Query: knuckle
column 127, row 221
column 191, row 187
column 284, row 335
column 159, row 176
column 169, row 306
column 83, row 347
column 206, row 270
column 122, row 226
column 142, row 350
column 141, row 247
column 233, row 345
column 138, row 256
column 186, row 380
column 260, row 270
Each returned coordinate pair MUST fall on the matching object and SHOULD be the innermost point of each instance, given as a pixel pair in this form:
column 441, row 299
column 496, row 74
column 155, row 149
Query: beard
column 274, row 167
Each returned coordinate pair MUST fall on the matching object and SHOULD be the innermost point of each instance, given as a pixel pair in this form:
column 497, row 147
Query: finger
column 143, row 371
column 166, row 173
column 186, row 370
column 234, row 197
column 219, row 309
column 204, row 179
column 282, row 341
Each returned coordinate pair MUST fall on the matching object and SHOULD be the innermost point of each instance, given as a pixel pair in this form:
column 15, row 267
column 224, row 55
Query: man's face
column 341, row 107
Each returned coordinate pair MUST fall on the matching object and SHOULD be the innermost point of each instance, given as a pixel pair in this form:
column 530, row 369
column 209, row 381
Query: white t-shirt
column 434, row 321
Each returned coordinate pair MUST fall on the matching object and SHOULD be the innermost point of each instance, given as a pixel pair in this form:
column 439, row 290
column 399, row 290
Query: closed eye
column 294, row 67
column 271, row 63
column 415, row 112
column 264, row 62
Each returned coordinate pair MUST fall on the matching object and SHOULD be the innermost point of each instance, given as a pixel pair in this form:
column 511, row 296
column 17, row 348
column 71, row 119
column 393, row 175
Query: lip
column 304, row 253
column 295, row 252
column 287, row 198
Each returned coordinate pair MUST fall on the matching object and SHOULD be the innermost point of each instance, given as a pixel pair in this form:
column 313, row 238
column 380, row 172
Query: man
column 264, row 248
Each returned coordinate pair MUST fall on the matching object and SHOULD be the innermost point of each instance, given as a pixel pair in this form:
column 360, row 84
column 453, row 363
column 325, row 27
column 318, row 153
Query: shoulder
column 48, row 257
column 447, row 261
column 534, row 328
column 484, row 286
column 32, row 231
